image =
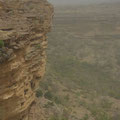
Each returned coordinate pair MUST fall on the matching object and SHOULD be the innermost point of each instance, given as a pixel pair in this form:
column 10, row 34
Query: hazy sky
column 80, row 1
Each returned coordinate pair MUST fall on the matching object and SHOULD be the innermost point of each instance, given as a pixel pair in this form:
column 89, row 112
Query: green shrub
column 39, row 93
column 1, row 43
column 48, row 95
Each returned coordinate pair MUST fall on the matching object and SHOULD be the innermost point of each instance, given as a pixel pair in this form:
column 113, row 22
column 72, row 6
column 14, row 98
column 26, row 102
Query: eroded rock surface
column 23, row 28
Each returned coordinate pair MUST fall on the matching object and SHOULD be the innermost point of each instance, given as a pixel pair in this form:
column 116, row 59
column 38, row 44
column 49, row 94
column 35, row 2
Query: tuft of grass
column 48, row 95
column 39, row 93
column 1, row 43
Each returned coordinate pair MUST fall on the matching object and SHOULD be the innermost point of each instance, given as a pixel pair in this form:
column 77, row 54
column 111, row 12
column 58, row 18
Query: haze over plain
column 57, row 2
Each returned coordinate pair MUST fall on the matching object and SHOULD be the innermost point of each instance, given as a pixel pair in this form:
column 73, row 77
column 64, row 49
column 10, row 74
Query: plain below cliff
column 83, row 64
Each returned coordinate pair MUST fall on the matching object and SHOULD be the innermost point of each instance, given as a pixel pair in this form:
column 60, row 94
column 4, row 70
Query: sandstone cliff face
column 23, row 28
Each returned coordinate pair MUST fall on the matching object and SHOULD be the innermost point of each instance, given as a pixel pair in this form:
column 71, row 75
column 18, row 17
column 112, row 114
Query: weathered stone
column 23, row 28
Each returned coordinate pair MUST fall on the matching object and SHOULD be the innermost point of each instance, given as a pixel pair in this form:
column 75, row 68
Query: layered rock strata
column 23, row 28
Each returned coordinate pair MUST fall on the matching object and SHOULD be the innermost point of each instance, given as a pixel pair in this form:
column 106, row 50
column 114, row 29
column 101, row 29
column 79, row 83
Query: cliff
column 23, row 28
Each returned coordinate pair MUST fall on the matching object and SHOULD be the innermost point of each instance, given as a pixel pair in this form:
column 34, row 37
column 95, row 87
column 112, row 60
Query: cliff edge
column 23, row 28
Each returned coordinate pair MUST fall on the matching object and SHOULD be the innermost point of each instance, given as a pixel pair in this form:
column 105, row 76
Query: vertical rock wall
column 23, row 28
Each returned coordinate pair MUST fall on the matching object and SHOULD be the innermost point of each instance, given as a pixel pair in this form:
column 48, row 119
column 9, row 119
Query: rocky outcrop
column 23, row 28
